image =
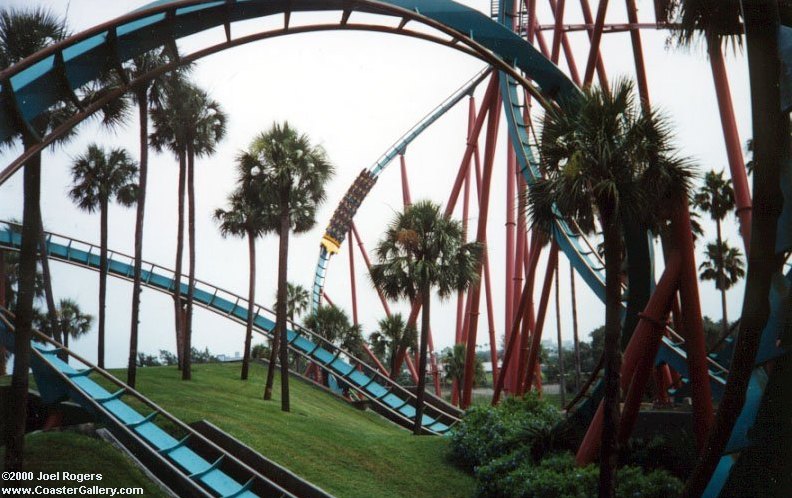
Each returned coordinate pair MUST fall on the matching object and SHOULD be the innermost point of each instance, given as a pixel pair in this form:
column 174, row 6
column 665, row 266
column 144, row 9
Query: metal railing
column 239, row 303
column 126, row 390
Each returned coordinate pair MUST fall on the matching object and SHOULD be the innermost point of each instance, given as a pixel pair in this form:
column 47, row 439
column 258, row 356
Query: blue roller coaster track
column 57, row 74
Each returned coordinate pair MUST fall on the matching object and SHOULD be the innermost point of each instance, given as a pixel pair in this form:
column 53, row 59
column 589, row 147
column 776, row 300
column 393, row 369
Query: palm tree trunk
column 771, row 145
column 52, row 311
column 274, row 345
column 18, row 394
column 142, row 99
column 561, row 370
column 612, row 353
column 179, row 256
column 280, row 313
column 722, row 281
column 251, row 305
column 102, row 279
column 578, row 374
column 419, row 403
column 186, row 371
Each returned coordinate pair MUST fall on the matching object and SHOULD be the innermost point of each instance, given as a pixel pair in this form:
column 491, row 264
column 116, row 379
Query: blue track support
column 33, row 90
column 60, row 380
column 368, row 383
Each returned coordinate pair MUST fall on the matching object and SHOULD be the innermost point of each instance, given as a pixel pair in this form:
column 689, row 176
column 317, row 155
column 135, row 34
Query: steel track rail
column 354, row 372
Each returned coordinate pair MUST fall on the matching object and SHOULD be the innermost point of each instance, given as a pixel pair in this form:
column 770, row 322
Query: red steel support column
column 368, row 267
column 603, row 78
column 662, row 378
column 596, row 37
column 406, row 198
column 694, row 329
column 511, row 341
column 533, row 353
column 511, row 183
column 490, row 319
column 527, row 318
column 656, row 308
column 491, row 95
column 465, row 216
column 558, row 13
column 569, row 55
column 739, row 177
column 488, row 290
column 522, row 252
column 490, row 99
column 637, row 46
column 352, row 282
column 481, row 237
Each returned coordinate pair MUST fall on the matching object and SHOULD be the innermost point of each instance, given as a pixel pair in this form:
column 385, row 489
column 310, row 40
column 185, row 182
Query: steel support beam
column 536, row 338
column 481, row 237
column 739, row 177
column 639, row 346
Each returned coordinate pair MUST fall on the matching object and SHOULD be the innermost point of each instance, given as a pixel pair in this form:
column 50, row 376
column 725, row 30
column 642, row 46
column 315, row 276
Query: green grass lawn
column 52, row 452
column 347, row 452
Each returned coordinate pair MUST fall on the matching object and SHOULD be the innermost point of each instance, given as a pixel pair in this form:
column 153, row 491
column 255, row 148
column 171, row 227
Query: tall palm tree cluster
column 422, row 250
column 723, row 264
column 606, row 162
column 187, row 122
column 281, row 180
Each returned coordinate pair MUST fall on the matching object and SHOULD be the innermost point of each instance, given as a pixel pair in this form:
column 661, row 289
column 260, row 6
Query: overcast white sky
column 355, row 94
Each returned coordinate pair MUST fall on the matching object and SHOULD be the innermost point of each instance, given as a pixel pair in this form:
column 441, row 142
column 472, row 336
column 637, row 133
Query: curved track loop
column 398, row 148
column 578, row 249
column 164, row 452
column 745, row 433
column 31, row 87
column 55, row 74
column 349, row 370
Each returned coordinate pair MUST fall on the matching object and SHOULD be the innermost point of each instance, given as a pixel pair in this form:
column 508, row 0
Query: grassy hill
column 347, row 452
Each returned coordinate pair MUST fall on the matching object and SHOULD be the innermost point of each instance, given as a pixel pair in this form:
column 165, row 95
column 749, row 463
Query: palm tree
column 99, row 176
column 170, row 133
column 716, row 198
column 724, row 266
column 23, row 33
column 333, row 324
column 292, row 174
column 297, row 300
column 245, row 218
column 147, row 96
column 422, row 250
column 607, row 160
column 453, row 361
column 760, row 22
column 190, row 124
column 393, row 335
column 71, row 320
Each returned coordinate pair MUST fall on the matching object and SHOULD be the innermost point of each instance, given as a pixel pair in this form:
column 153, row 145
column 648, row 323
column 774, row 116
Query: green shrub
column 557, row 476
column 674, row 452
column 486, row 432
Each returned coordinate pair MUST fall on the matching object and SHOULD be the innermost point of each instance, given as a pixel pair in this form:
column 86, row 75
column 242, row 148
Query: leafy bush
column 674, row 452
column 486, row 432
column 557, row 476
